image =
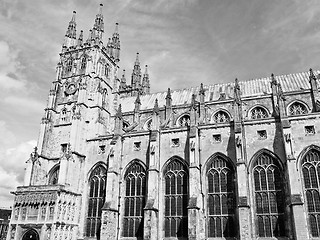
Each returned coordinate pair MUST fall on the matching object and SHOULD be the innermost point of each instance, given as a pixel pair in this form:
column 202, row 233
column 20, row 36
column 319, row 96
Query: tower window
column 309, row 130
column 97, row 189
column 64, row 147
column 69, row 65
column 310, row 172
column 269, row 196
column 216, row 138
column 221, row 199
column 134, row 201
column 137, row 146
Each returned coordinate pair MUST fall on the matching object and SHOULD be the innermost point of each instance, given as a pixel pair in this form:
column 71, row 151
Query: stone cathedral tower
column 234, row 160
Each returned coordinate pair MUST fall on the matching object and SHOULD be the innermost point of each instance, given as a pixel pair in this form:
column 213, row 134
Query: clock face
column 71, row 89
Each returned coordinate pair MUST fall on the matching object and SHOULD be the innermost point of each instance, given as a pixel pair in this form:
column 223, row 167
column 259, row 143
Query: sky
column 184, row 43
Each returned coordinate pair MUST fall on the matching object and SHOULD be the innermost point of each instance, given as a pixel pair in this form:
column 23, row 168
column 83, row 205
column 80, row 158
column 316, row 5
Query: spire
column 237, row 93
column 119, row 112
column 116, row 43
column 146, row 82
column 98, row 27
column 156, row 107
column 71, row 31
column 168, row 98
column 137, row 103
column 201, row 93
column 273, row 80
column 80, row 39
column 123, row 81
column 136, row 76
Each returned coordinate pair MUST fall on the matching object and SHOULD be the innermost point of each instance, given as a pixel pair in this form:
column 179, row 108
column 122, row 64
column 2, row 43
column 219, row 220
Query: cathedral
column 237, row 160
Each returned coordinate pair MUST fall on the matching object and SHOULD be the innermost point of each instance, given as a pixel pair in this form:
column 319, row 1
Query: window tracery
column 69, row 65
column 221, row 199
column 54, row 176
column 184, row 121
column 176, row 200
column 221, row 117
column 269, row 197
column 258, row 113
column 148, row 124
column 83, row 63
column 297, row 108
column 134, row 201
column 97, row 187
column 311, row 174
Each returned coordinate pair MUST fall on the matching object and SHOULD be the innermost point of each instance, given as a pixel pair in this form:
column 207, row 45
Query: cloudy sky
column 184, row 42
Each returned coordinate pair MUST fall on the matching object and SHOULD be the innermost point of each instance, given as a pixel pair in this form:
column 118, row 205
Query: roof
column 251, row 88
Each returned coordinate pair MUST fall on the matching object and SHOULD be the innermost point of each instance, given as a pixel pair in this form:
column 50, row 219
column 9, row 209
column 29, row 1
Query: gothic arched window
column 184, row 121
column 297, row 108
column 258, row 113
column 134, row 201
column 64, row 115
column 148, row 124
column 97, row 191
column 221, row 117
column 54, row 176
column 269, row 196
column 69, row 65
column 176, row 199
column 221, row 199
column 311, row 173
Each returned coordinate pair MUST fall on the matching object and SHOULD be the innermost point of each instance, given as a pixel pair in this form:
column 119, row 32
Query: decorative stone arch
column 220, row 199
column 31, row 234
column 53, row 175
column 183, row 120
column 267, row 188
column 309, row 165
column 258, row 111
column 219, row 115
column 134, row 199
column 176, row 188
column 300, row 108
column 134, row 161
column 148, row 124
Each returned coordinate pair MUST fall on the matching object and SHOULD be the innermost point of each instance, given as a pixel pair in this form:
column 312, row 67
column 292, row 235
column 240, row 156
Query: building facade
column 113, row 161
column 5, row 214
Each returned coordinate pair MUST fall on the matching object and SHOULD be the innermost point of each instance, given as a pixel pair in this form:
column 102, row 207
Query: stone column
column 110, row 210
column 195, row 201
column 151, row 217
column 245, row 226
column 300, row 226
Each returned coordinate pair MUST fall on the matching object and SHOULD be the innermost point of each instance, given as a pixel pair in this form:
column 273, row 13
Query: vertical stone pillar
column 194, row 206
column 300, row 226
column 110, row 209
column 151, row 217
column 245, row 226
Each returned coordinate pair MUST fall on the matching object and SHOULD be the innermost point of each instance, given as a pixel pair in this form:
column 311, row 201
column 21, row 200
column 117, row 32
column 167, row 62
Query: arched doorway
column 31, row 234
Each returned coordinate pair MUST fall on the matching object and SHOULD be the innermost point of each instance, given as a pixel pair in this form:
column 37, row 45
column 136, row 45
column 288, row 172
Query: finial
column 156, row 107
column 100, row 9
column 119, row 112
column 146, row 71
column 168, row 94
column 137, row 58
column 116, row 28
column 137, row 101
column 311, row 73
column 201, row 90
column 273, row 79
column 73, row 19
column 124, row 72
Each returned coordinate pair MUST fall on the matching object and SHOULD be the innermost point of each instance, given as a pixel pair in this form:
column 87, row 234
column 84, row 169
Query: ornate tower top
column 71, row 31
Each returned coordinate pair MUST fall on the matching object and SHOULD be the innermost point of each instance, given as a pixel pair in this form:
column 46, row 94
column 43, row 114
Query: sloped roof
column 250, row 88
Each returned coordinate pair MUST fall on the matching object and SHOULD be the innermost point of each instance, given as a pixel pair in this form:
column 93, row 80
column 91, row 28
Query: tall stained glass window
column 221, row 199
column 269, row 196
column 176, row 199
column 311, row 179
column 134, row 201
column 97, row 191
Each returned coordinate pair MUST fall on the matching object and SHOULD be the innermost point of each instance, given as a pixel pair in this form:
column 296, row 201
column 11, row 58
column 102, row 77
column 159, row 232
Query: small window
column 175, row 142
column 102, row 149
column 217, row 138
column 69, row 65
column 137, row 146
column 64, row 147
column 262, row 134
column 309, row 130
